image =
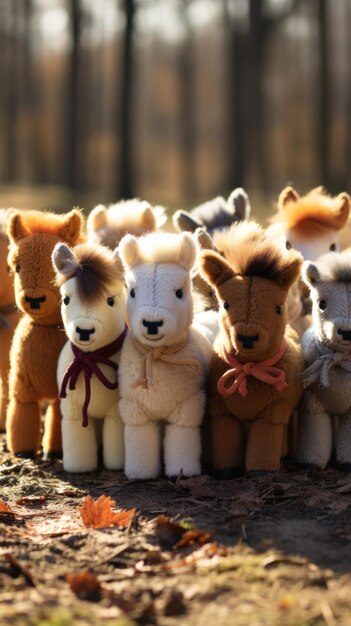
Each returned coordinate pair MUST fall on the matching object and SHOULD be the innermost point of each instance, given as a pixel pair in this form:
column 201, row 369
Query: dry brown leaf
column 5, row 509
column 31, row 500
column 191, row 537
column 174, row 536
column 99, row 513
column 85, row 585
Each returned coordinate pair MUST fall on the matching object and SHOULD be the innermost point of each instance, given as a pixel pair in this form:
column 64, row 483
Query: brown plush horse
column 254, row 386
column 39, row 336
column 9, row 316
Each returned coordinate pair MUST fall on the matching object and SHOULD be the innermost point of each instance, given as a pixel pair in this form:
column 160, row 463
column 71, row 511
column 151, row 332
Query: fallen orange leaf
column 99, row 513
column 5, row 509
column 85, row 585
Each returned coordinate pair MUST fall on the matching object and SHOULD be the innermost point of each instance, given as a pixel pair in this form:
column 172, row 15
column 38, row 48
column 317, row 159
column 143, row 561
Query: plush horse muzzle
column 35, row 302
column 84, row 333
column 152, row 327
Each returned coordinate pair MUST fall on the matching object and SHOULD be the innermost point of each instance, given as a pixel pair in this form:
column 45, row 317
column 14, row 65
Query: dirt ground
column 280, row 553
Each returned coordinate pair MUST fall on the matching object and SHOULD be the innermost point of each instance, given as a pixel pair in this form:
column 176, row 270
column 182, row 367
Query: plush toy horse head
column 33, row 235
column 107, row 225
column 215, row 214
column 330, row 283
column 159, row 305
column 207, row 299
column 310, row 224
column 251, row 284
column 91, row 282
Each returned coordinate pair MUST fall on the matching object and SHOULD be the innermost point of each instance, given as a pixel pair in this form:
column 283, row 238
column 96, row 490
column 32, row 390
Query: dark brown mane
column 97, row 273
column 249, row 253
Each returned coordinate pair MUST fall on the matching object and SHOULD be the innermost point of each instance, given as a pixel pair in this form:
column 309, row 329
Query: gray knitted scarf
column 328, row 359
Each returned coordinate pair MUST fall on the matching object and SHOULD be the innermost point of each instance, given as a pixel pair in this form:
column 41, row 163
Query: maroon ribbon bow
column 87, row 362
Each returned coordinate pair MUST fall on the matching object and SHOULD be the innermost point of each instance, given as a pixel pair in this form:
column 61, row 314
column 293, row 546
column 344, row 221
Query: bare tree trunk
column 323, row 95
column 73, row 91
column 10, row 60
column 187, row 109
column 126, row 182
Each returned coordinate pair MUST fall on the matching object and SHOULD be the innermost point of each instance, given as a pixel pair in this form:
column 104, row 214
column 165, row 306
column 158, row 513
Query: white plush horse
column 326, row 346
column 91, row 281
column 164, row 359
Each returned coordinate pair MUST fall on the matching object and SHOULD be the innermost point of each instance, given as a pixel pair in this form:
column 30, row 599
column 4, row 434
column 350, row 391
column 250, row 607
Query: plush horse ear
column 239, row 204
column 291, row 270
column 288, row 195
column 63, row 259
column 147, row 218
column 118, row 262
column 204, row 238
column 182, row 220
column 214, row 268
column 129, row 251
column 97, row 218
column 15, row 227
column 310, row 274
column 343, row 205
column 72, row 227
column 188, row 251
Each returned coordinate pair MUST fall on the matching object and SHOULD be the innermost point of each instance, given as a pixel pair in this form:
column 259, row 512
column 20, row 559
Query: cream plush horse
column 93, row 302
column 326, row 346
column 164, row 359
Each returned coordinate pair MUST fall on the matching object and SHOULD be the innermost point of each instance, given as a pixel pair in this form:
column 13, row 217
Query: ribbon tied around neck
column 263, row 371
column 87, row 362
column 319, row 370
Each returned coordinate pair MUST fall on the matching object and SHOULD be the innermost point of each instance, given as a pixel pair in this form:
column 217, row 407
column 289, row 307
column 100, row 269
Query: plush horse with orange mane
column 9, row 316
column 253, row 379
column 39, row 336
column 310, row 224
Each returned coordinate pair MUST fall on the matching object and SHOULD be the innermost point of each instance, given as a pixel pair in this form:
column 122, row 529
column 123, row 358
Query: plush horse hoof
column 27, row 454
column 345, row 467
column 308, row 466
column 229, row 473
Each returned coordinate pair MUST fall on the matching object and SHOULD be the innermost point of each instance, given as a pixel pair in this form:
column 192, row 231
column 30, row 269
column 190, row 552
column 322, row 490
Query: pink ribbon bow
column 263, row 371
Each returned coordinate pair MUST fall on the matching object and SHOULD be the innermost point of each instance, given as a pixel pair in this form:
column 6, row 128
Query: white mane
column 159, row 247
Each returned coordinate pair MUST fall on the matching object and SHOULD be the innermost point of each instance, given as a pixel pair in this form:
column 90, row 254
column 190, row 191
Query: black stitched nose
column 84, row 333
column 152, row 327
column 35, row 302
column 248, row 340
column 346, row 334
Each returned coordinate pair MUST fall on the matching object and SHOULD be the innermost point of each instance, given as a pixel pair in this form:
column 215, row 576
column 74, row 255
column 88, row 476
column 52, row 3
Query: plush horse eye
column 322, row 304
column 17, row 268
column 66, row 300
column 110, row 300
column 332, row 247
column 132, row 292
column 179, row 293
column 278, row 309
column 226, row 306
column 288, row 245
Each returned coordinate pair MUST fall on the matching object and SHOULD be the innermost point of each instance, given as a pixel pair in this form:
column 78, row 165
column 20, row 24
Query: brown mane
column 97, row 272
column 312, row 215
column 40, row 222
column 249, row 253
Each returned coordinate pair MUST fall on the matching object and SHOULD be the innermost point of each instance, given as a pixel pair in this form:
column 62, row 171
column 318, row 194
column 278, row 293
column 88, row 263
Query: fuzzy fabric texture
column 39, row 336
column 327, row 351
column 9, row 318
column 159, row 311
column 252, row 285
column 215, row 214
column 107, row 225
column 92, row 320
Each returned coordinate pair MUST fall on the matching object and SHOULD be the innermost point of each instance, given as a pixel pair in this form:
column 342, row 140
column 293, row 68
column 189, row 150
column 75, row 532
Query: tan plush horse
column 254, row 386
column 39, row 336
column 9, row 316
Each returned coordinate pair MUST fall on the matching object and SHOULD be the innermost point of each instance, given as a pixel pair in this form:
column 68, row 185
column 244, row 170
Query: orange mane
column 39, row 222
column 314, row 214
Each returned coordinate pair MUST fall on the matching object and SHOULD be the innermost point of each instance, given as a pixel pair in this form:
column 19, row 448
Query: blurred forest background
column 174, row 101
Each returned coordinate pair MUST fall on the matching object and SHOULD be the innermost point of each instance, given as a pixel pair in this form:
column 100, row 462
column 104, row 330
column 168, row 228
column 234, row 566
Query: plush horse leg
column 315, row 433
column 52, row 441
column 79, row 446
column 23, row 427
column 264, row 446
column 228, row 438
column 182, row 450
column 113, row 442
column 343, row 442
column 142, row 450
column 4, row 395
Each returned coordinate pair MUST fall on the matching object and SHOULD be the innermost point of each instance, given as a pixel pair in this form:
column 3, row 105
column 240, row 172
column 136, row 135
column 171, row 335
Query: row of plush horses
column 105, row 328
